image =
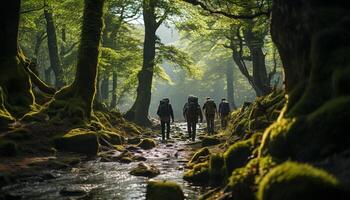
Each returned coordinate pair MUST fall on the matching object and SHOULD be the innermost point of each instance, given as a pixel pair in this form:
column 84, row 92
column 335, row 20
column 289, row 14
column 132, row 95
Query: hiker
column 210, row 110
column 165, row 113
column 192, row 111
column 224, row 111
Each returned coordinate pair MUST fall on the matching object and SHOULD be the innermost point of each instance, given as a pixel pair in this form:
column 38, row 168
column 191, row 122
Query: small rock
column 134, row 140
column 72, row 192
column 143, row 169
column 147, row 144
column 139, row 158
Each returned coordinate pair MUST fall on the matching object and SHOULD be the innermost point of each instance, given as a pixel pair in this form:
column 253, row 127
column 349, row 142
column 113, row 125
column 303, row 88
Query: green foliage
column 164, row 190
column 298, row 181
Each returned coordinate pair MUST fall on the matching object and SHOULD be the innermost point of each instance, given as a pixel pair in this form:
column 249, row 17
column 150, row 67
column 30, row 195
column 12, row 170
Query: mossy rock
column 145, row 170
column 134, row 140
column 290, row 181
column 237, row 155
column 157, row 190
column 147, row 144
column 8, row 148
column 79, row 141
column 312, row 137
column 217, row 169
column 210, row 141
column 199, row 174
column 241, row 184
column 111, row 138
column 203, row 152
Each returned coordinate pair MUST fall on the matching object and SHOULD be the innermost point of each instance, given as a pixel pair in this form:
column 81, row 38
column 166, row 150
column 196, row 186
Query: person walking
column 210, row 110
column 192, row 111
column 165, row 113
column 224, row 111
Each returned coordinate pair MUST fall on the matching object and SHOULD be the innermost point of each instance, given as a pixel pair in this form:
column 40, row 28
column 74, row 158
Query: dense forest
column 83, row 84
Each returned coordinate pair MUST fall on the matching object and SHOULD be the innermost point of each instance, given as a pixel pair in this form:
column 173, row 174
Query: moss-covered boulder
column 8, row 148
column 290, row 181
column 147, row 144
column 312, row 137
column 157, row 190
column 110, row 138
column 79, row 141
column 241, row 183
column 142, row 169
column 210, row 141
column 203, row 152
column 134, row 140
column 199, row 174
column 237, row 155
column 217, row 169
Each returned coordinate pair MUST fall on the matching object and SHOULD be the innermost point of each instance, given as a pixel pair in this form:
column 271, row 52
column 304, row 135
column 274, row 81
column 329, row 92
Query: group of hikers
column 192, row 113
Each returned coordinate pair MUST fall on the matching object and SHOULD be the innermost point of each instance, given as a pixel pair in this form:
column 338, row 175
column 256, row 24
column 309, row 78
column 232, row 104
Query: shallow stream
column 111, row 180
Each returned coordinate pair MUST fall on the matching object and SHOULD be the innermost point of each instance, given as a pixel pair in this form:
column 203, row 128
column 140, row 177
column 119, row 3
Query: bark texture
column 53, row 49
column 14, row 80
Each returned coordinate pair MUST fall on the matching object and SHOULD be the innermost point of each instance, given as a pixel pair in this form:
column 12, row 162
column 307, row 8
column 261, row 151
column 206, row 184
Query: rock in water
column 147, row 144
column 143, row 169
column 157, row 190
column 78, row 141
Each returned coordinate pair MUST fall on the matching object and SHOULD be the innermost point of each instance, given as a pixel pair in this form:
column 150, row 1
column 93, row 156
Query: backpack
column 163, row 109
column 210, row 107
column 192, row 109
column 225, row 108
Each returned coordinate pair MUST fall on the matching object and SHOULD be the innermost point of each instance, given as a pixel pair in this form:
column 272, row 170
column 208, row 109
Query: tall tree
column 152, row 20
column 53, row 48
column 229, row 85
column 79, row 96
column 14, row 80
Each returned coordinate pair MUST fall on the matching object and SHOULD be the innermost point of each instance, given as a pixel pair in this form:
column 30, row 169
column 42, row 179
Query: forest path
column 111, row 180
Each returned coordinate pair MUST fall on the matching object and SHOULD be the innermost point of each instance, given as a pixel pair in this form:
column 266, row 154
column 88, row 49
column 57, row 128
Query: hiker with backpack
column 165, row 113
column 192, row 111
column 224, row 111
column 210, row 110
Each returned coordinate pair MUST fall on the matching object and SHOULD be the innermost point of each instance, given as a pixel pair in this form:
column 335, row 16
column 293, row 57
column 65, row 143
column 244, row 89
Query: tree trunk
column 114, row 90
column 79, row 96
column 105, row 89
column 14, row 81
column 230, row 87
column 313, row 40
column 139, row 111
column 53, row 49
column 255, row 44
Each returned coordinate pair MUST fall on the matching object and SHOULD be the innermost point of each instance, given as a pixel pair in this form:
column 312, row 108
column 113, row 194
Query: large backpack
column 210, row 107
column 225, row 108
column 164, row 110
column 192, row 107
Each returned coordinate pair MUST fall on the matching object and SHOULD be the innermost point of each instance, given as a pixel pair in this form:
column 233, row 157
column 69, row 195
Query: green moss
column 8, row 148
column 200, row 153
column 237, row 155
column 217, row 169
column 112, row 138
column 312, row 137
column 210, row 141
column 79, row 141
column 157, row 190
column 241, row 183
column 199, row 174
column 147, row 143
column 291, row 181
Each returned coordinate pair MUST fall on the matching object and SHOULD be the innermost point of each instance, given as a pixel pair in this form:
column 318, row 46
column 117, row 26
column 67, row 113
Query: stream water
column 111, row 180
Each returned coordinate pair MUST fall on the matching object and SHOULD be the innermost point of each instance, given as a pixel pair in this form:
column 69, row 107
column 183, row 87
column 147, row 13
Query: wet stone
column 73, row 192
column 145, row 170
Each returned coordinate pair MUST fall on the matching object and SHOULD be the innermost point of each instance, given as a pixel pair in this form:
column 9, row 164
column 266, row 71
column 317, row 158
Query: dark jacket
column 167, row 113
column 192, row 117
column 224, row 108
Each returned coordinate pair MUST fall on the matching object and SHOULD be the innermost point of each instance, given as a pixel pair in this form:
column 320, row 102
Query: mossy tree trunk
column 76, row 100
column 53, row 48
column 230, row 88
column 105, row 89
column 14, row 80
column 140, row 110
column 313, row 41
